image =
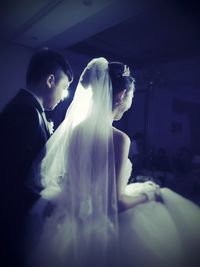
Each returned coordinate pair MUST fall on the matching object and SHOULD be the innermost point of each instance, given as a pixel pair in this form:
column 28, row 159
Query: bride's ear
column 120, row 97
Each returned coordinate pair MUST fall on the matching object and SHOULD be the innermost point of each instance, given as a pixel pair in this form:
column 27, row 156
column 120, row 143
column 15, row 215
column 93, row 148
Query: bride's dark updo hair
column 119, row 81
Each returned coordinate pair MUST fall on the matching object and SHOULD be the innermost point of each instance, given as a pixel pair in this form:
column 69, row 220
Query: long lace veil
column 77, row 175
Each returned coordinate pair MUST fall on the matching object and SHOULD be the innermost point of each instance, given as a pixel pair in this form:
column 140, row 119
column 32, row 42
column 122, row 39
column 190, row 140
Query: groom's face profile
column 48, row 77
column 56, row 85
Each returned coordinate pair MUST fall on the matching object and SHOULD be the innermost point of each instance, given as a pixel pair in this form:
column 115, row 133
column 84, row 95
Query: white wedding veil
column 77, row 175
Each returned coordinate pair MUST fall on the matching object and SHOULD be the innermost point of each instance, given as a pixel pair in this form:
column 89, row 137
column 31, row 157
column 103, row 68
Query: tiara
column 126, row 71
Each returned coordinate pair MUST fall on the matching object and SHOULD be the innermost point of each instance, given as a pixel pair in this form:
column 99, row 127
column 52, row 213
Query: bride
column 87, row 215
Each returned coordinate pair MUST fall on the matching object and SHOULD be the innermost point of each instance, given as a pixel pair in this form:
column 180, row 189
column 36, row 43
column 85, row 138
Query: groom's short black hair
column 45, row 62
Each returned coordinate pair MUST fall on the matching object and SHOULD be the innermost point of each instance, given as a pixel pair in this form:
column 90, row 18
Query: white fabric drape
column 77, row 176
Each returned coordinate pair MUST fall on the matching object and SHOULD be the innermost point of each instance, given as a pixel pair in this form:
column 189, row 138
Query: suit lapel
column 32, row 101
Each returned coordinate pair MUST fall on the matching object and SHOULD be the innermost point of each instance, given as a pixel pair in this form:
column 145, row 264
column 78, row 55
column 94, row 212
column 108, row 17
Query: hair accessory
column 126, row 71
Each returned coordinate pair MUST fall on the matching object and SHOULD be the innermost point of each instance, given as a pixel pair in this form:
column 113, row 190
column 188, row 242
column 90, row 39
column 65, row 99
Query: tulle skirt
column 163, row 233
column 152, row 234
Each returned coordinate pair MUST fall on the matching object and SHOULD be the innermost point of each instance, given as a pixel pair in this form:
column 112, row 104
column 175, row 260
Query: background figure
column 24, row 131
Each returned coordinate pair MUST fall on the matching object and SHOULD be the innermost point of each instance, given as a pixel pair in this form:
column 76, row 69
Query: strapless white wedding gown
column 152, row 234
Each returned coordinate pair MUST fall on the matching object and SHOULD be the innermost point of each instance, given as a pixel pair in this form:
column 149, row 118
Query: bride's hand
column 151, row 185
column 152, row 191
column 149, row 189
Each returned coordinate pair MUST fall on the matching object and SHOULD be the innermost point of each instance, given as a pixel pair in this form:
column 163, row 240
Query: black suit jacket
column 23, row 134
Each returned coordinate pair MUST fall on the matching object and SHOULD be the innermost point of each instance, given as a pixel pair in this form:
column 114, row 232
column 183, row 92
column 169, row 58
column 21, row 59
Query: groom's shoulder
column 16, row 112
column 16, row 108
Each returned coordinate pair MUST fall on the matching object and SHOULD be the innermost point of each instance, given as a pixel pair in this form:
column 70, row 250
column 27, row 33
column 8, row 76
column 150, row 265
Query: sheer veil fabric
column 75, row 220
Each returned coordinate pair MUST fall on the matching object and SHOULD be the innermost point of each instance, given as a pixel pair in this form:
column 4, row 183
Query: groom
column 24, row 131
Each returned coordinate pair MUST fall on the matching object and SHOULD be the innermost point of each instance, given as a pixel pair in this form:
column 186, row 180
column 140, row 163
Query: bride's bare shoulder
column 120, row 138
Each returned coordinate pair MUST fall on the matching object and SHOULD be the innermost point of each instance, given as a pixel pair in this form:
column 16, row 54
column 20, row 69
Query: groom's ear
column 50, row 80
